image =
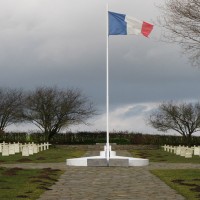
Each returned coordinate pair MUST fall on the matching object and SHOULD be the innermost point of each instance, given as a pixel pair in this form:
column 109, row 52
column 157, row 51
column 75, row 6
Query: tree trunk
column 46, row 136
column 51, row 134
column 1, row 132
column 187, row 139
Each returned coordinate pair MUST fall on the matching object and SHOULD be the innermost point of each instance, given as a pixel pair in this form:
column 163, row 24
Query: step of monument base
column 117, row 162
column 101, row 161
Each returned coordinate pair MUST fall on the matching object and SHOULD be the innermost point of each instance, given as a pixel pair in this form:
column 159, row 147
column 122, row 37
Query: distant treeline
column 87, row 138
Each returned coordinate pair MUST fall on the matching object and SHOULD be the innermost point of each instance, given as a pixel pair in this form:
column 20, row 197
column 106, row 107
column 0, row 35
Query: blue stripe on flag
column 117, row 24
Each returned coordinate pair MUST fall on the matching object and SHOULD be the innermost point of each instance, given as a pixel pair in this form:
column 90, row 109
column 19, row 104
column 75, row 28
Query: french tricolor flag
column 121, row 24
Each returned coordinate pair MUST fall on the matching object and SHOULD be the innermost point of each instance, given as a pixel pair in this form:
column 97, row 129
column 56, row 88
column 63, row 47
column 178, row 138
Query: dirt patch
column 196, row 179
column 43, row 188
column 2, row 161
column 11, row 171
column 22, row 196
column 50, row 170
column 24, row 160
column 47, row 177
column 196, row 189
column 28, row 192
column 189, row 184
column 41, row 158
column 36, row 181
column 46, row 169
column 179, row 181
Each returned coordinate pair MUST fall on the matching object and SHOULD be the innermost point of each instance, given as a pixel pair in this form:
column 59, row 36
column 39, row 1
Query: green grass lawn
column 159, row 155
column 17, row 183
column 54, row 154
column 184, row 181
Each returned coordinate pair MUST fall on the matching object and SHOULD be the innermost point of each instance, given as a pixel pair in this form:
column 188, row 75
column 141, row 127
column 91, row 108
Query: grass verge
column 52, row 155
column 159, row 155
column 184, row 181
column 18, row 183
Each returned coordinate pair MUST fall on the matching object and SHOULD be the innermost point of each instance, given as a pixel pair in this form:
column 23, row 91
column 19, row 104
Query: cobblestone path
column 114, row 183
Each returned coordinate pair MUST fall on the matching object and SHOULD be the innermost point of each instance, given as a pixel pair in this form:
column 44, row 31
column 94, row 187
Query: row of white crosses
column 184, row 151
column 7, row 149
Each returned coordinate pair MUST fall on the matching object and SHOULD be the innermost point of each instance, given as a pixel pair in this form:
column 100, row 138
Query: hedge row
column 98, row 137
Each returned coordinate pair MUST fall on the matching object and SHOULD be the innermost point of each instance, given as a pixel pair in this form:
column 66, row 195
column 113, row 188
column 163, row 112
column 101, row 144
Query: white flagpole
column 107, row 87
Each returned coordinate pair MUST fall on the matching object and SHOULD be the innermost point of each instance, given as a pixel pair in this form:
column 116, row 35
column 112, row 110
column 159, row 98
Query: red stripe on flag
column 146, row 29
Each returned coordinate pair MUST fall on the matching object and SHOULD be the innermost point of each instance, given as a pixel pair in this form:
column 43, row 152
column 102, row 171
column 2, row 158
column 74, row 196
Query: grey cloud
column 134, row 111
column 63, row 43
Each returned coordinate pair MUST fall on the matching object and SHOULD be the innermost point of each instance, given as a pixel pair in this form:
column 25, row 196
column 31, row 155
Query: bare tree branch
column 11, row 103
column 52, row 109
column 183, row 118
column 182, row 20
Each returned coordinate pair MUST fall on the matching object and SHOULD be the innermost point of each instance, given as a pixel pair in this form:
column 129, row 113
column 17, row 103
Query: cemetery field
column 18, row 183
column 159, row 155
column 184, row 181
column 53, row 155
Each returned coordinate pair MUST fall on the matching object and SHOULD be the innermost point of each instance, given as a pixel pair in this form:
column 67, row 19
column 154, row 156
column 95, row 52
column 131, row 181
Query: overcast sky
column 63, row 43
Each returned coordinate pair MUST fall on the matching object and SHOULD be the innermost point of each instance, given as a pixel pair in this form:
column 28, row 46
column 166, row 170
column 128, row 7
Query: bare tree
column 52, row 109
column 10, row 107
column 183, row 118
column 182, row 19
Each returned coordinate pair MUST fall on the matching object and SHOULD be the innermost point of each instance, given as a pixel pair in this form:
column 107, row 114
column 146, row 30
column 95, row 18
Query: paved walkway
column 102, row 183
column 109, row 183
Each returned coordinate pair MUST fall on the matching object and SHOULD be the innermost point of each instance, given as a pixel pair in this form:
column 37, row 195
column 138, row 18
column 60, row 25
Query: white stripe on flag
column 134, row 26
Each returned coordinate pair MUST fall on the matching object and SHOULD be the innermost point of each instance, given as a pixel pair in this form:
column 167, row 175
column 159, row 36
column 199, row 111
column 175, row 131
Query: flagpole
column 107, row 87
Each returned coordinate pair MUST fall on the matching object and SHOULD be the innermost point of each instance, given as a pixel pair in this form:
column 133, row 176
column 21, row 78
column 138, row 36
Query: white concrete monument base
column 84, row 160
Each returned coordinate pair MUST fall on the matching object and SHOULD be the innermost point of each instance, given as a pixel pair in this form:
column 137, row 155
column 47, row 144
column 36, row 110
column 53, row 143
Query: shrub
column 87, row 138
